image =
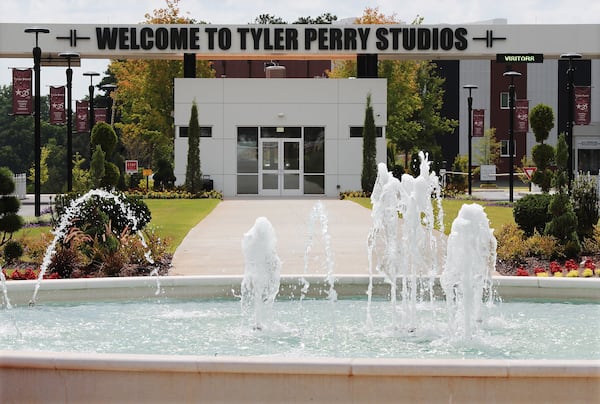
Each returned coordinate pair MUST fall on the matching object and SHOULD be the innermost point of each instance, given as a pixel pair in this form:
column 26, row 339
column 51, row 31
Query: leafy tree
column 104, row 135
column 193, row 175
column 164, row 176
column 43, row 167
column 325, row 18
column 487, row 150
column 369, row 166
column 541, row 118
column 268, row 19
column 97, row 166
column 82, row 180
column 10, row 221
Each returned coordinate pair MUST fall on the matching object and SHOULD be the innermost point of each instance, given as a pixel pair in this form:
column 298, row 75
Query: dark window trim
column 356, row 131
column 205, row 131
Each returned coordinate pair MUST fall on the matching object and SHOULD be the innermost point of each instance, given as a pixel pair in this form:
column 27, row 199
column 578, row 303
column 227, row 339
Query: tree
column 369, row 166
column 10, row 221
column 193, row 175
column 268, row 19
column 541, row 118
column 164, row 176
column 97, row 168
column 487, row 150
column 104, row 135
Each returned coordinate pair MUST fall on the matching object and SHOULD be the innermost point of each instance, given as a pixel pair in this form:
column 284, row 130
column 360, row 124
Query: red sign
column 57, row 105
column 478, row 122
column 582, row 105
column 529, row 171
column 522, row 116
column 131, row 166
column 22, row 92
column 99, row 115
column 81, row 114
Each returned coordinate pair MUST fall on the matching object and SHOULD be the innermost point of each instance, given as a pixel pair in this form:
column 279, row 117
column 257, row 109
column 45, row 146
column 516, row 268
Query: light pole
column 511, row 130
column 92, row 116
column 37, row 58
column 571, row 112
column 69, row 56
column 109, row 88
column 470, row 87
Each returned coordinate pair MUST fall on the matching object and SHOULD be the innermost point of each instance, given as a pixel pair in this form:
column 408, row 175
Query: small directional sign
column 520, row 58
column 529, row 171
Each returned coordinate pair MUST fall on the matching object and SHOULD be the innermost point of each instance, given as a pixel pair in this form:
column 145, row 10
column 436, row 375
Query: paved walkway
column 214, row 246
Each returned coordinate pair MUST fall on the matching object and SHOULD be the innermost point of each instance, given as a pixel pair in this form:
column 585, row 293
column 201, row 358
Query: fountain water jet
column 262, row 270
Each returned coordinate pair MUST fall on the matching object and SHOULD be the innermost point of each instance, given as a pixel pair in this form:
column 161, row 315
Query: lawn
column 497, row 215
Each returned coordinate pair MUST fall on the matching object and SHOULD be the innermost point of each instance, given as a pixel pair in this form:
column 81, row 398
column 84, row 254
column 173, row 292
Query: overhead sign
column 520, row 58
column 529, row 171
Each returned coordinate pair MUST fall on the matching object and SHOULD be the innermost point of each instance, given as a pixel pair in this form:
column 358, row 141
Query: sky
column 241, row 12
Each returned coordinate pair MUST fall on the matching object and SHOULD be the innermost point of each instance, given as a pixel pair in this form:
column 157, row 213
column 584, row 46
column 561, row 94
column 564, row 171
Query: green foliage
column 586, row 205
column 111, row 175
column 543, row 157
column 458, row 182
column 193, row 174
column 591, row 244
column 541, row 118
column 104, row 135
column 544, row 247
column 511, row 246
column 563, row 225
column 97, row 166
column 562, row 160
column 13, row 250
column 164, row 178
column 82, row 180
column 487, row 150
column 10, row 221
column 531, row 213
column 369, row 166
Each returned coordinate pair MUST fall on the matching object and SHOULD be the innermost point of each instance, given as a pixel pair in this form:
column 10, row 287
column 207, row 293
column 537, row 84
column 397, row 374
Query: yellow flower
column 558, row 274
column 542, row 274
column 573, row 273
column 587, row 273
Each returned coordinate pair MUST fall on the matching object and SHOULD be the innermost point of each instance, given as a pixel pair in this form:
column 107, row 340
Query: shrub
column 458, row 182
column 563, row 225
column 511, row 246
column 64, row 262
column 545, row 247
column 591, row 245
column 531, row 213
column 585, row 204
column 13, row 250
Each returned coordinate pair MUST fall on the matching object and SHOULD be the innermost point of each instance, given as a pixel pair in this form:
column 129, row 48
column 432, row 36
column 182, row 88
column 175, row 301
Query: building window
column 314, row 160
column 205, row 131
column 503, row 100
column 588, row 161
column 356, row 131
column 504, row 149
column 288, row 132
column 247, row 160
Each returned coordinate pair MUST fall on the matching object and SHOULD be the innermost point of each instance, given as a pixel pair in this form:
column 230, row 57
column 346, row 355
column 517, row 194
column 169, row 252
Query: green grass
column 497, row 215
column 173, row 218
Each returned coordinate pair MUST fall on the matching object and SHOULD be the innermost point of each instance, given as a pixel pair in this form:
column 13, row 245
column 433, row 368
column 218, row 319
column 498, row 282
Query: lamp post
column 69, row 56
column 92, row 116
column 511, row 130
column 470, row 87
column 109, row 88
column 571, row 112
column 37, row 57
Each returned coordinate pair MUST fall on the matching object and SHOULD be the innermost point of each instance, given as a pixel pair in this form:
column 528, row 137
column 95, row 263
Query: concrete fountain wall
column 75, row 377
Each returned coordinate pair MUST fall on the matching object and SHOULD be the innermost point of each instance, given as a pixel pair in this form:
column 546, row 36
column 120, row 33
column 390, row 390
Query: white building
column 276, row 137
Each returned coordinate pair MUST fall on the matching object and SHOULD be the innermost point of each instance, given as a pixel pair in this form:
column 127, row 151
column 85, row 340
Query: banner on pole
column 22, row 91
column 522, row 116
column 81, row 114
column 57, row 105
column 582, row 105
column 478, row 122
column 100, row 115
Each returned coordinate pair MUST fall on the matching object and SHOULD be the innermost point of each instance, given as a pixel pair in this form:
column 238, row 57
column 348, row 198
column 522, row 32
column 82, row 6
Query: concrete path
column 214, row 246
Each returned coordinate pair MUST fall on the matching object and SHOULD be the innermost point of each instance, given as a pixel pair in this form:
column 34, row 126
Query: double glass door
column 280, row 163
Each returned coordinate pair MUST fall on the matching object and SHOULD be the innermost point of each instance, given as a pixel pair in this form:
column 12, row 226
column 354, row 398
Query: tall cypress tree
column 193, row 175
column 369, row 168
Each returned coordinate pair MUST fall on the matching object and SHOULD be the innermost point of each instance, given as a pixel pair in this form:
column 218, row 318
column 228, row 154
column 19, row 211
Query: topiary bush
column 13, row 250
column 586, row 204
column 531, row 213
column 10, row 221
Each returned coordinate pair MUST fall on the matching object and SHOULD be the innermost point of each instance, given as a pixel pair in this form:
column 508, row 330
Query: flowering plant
column 555, row 267
column 540, row 271
column 522, row 272
column 588, row 263
column 587, row 273
column 571, row 265
column 573, row 273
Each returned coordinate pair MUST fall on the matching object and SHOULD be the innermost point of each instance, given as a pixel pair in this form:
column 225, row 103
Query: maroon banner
column 57, row 105
column 478, row 122
column 22, row 92
column 522, row 116
column 582, row 105
column 81, row 113
column 100, row 115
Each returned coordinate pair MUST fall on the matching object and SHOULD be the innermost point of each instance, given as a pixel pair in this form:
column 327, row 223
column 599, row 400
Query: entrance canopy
column 301, row 41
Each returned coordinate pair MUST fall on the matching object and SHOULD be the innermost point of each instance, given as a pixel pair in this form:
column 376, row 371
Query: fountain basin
column 62, row 377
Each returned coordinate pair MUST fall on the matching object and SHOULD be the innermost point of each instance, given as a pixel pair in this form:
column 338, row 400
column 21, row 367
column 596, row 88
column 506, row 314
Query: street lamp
column 470, row 87
column 37, row 57
column 511, row 129
column 109, row 88
column 91, row 90
column 69, row 56
column 570, row 115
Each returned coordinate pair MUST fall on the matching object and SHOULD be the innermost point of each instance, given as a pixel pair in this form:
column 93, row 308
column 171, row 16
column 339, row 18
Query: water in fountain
column 261, row 272
column 413, row 253
column 4, row 290
column 470, row 262
column 317, row 216
column 65, row 223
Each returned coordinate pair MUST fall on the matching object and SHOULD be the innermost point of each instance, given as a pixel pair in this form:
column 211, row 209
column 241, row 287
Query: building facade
column 279, row 137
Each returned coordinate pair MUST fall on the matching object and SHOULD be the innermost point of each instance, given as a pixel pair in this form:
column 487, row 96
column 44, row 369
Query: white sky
column 244, row 11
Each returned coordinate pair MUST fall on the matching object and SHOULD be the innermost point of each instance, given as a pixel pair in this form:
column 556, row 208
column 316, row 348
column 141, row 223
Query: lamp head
column 571, row 56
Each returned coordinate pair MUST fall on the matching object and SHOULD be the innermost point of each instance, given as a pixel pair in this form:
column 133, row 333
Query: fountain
column 208, row 350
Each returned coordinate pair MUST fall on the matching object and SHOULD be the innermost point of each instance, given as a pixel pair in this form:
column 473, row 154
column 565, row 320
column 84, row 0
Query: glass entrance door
column 280, row 167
